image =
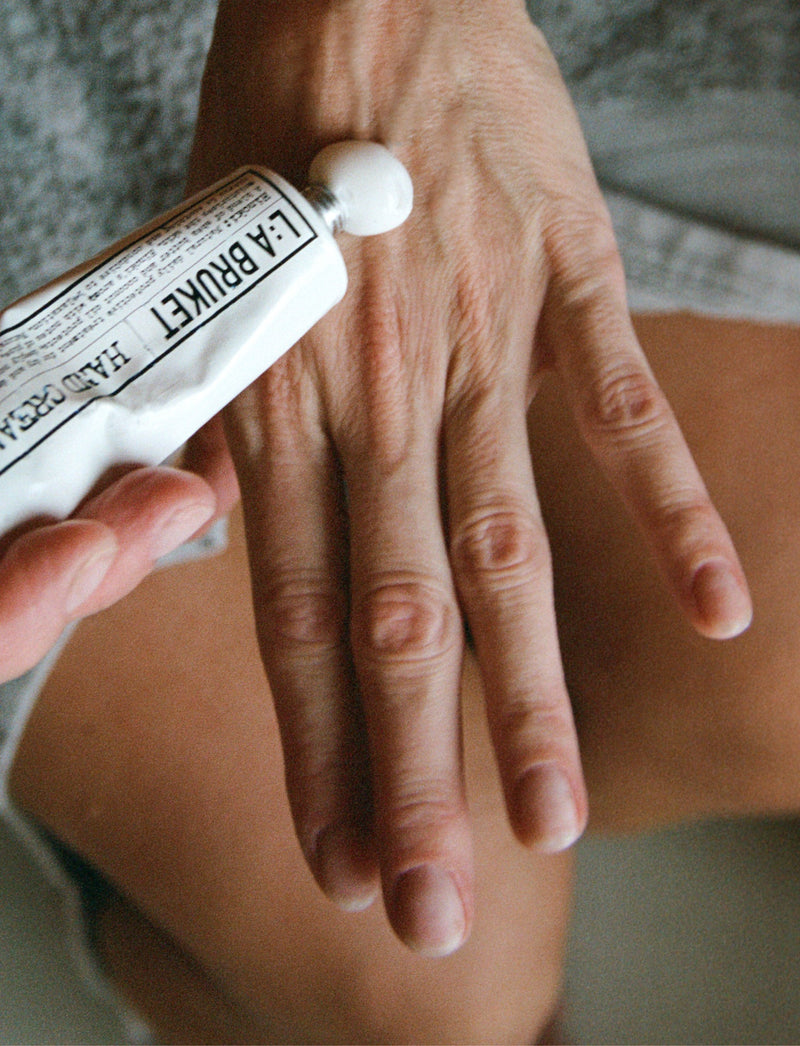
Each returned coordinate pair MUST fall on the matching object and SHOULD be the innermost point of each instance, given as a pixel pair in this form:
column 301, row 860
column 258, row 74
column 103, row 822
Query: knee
column 181, row 1003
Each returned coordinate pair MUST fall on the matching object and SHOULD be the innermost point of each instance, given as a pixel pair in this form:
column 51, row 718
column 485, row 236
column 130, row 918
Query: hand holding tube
column 101, row 386
column 54, row 573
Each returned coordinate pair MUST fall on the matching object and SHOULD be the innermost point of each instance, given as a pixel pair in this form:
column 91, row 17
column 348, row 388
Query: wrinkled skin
column 384, row 461
column 411, row 397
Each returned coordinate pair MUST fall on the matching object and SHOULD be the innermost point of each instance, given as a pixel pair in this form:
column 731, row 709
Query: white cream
column 123, row 358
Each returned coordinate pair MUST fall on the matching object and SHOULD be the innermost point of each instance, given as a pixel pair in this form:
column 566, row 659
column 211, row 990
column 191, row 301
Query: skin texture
column 163, row 764
column 412, row 397
column 388, row 489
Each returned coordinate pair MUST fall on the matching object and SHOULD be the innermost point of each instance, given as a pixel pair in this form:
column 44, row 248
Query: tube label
column 96, row 332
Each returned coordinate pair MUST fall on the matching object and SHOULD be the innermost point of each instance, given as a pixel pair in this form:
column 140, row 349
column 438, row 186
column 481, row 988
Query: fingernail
column 346, row 868
column 428, row 913
column 545, row 811
column 722, row 604
column 179, row 527
column 88, row 577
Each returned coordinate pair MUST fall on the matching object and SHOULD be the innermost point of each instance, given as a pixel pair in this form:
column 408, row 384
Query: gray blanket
column 97, row 103
column 691, row 104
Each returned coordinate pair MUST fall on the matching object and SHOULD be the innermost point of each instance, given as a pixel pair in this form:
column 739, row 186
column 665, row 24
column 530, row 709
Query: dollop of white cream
column 371, row 186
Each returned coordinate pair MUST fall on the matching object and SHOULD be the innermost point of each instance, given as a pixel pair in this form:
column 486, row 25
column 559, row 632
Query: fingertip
column 545, row 812
column 180, row 525
column 428, row 912
column 345, row 868
column 200, row 493
column 721, row 607
column 206, row 456
column 89, row 574
column 66, row 560
column 47, row 575
column 153, row 510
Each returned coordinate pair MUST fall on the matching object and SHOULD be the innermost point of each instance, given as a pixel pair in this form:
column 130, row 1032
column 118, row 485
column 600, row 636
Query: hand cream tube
column 125, row 357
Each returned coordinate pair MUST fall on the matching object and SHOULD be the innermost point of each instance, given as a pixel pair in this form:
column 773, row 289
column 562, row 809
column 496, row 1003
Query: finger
column 633, row 434
column 46, row 576
column 501, row 563
column 151, row 511
column 408, row 644
column 298, row 558
column 206, row 455
column 54, row 574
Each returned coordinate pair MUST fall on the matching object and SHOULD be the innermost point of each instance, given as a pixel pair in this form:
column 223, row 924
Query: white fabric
column 675, row 263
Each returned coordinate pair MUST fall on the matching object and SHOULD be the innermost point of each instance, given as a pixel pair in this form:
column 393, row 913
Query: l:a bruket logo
column 240, row 261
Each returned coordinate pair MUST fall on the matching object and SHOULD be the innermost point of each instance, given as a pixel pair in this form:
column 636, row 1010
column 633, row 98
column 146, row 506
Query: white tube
column 125, row 357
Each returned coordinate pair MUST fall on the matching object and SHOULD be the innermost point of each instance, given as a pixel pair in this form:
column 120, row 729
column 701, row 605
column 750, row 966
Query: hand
column 384, row 462
column 55, row 573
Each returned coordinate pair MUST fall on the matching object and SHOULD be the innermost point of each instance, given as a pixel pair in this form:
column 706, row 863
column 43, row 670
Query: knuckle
column 502, row 544
column 273, row 412
column 583, row 252
column 420, row 810
column 688, row 512
column 527, row 725
column 625, row 401
column 306, row 612
column 687, row 525
column 405, row 620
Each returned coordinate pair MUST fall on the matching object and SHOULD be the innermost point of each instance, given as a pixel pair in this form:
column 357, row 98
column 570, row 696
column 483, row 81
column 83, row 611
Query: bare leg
column 154, row 752
column 162, row 763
